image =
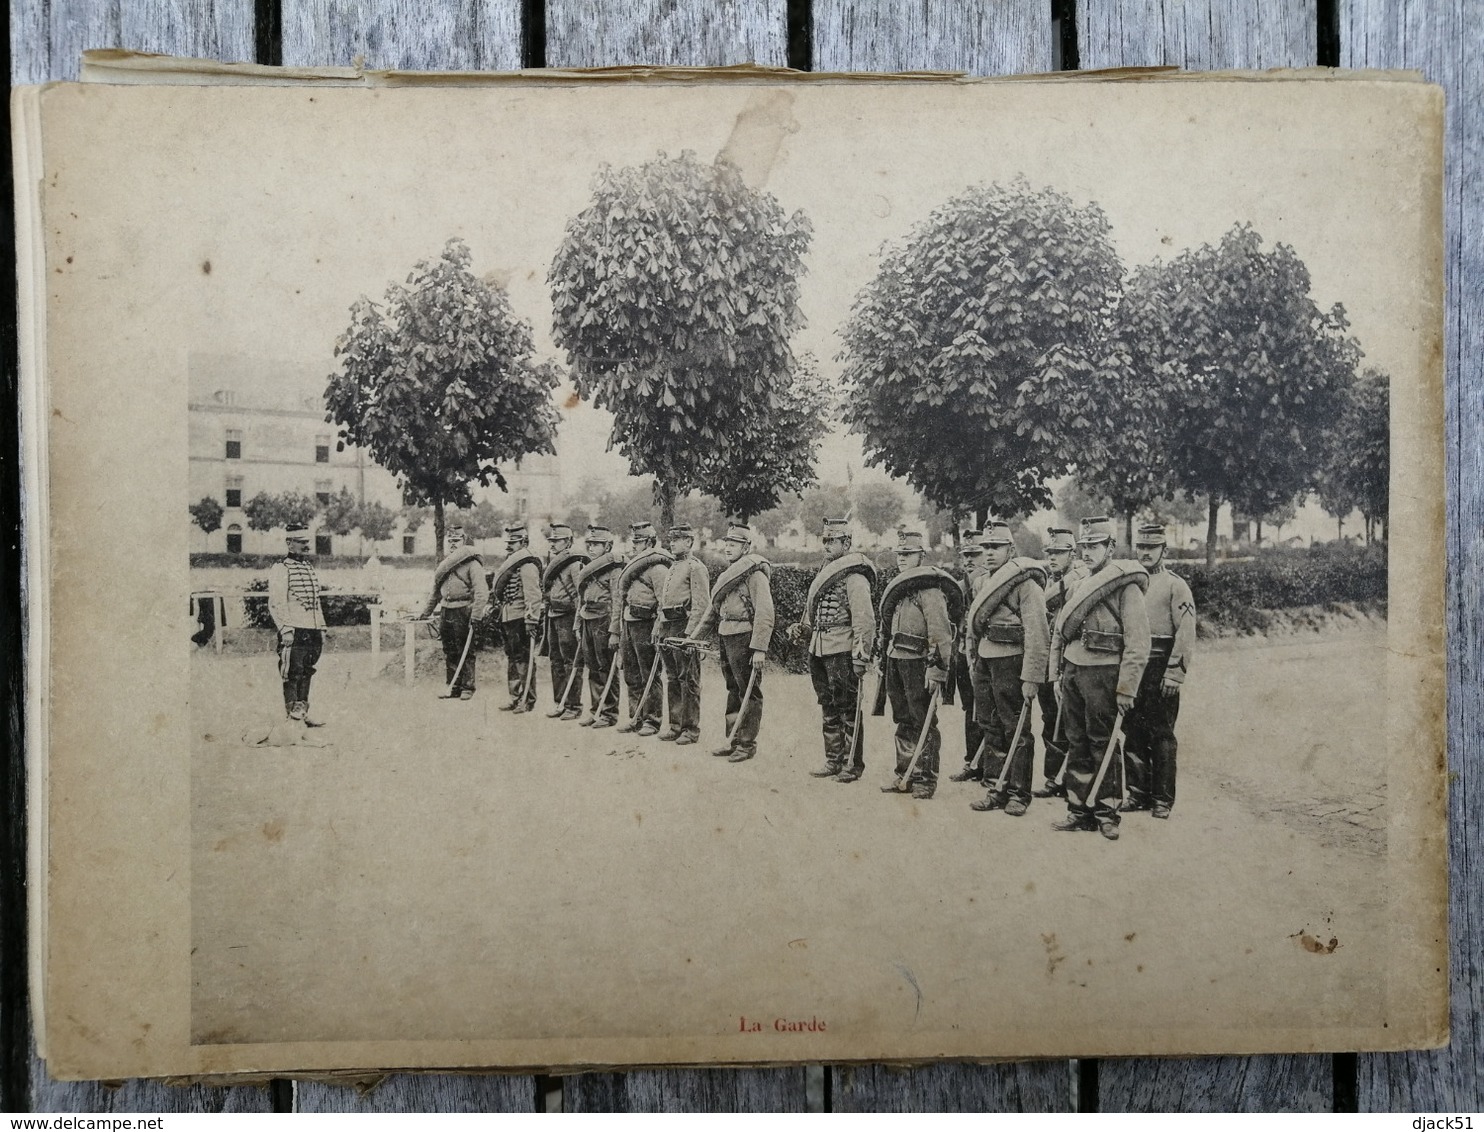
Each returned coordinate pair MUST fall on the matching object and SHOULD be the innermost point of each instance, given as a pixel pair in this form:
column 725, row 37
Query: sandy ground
column 445, row 870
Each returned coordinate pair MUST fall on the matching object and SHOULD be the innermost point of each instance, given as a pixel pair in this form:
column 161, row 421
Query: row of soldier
column 1101, row 644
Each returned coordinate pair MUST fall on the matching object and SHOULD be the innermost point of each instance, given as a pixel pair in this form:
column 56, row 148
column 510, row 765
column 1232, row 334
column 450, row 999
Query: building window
column 234, row 444
column 409, row 544
column 226, row 397
column 322, row 490
column 522, row 505
column 322, row 544
column 321, row 449
column 234, row 491
column 234, row 539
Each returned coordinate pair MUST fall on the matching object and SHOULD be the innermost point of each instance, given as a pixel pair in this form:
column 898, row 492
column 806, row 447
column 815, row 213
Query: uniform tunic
column 294, row 605
column 594, row 612
column 920, row 637
column 463, row 594
column 1055, row 747
column 1002, row 667
column 683, row 599
column 632, row 620
column 742, row 617
column 1149, row 727
column 563, row 646
column 962, row 678
column 520, row 613
column 842, row 630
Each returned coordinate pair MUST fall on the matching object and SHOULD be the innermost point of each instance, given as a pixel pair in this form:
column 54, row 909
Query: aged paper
column 433, row 883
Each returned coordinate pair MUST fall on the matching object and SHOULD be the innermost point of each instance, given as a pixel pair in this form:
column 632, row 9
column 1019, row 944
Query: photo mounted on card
column 573, row 572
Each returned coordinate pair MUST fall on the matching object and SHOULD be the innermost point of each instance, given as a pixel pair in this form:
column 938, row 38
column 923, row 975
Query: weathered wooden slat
column 687, row 33
column 1445, row 40
column 1004, row 38
column 432, row 1092
column 1216, row 1084
column 48, row 36
column 701, row 1090
column 414, row 35
column 1013, row 36
column 1198, row 35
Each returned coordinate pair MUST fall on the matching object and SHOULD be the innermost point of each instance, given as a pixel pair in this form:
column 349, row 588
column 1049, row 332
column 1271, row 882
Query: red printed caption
column 781, row 1025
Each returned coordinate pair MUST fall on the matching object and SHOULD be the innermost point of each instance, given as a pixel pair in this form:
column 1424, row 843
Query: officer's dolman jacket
column 1171, row 622
column 837, row 611
column 517, row 586
column 683, row 600
column 595, row 587
column 742, row 602
column 639, row 587
column 1121, row 620
column 1005, row 609
column 459, row 582
column 559, row 582
column 294, row 594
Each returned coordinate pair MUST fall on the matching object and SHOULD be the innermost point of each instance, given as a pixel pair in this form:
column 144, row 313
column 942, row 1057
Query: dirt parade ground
column 444, row 870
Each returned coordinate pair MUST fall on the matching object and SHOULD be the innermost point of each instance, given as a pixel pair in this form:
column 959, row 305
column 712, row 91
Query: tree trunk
column 981, row 518
column 1128, row 532
column 438, row 529
column 667, row 507
column 1339, row 530
column 1212, row 506
column 1258, row 540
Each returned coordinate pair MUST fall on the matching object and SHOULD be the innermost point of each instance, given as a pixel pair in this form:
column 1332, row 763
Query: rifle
column 927, row 723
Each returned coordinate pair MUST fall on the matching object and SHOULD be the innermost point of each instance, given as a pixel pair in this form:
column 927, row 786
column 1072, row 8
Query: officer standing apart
column 741, row 613
column 840, row 628
column 294, row 605
column 919, row 647
column 459, row 586
column 1150, row 726
column 683, row 601
column 971, row 559
column 559, row 595
column 517, row 588
column 633, row 619
column 595, row 591
column 1012, row 642
column 1064, row 570
column 1098, row 647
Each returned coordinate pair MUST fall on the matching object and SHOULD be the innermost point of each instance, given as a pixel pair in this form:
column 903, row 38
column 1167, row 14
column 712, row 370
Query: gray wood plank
column 1013, row 36
column 432, row 1092
column 411, row 35
column 687, row 33
column 697, row 1090
column 1198, row 35
column 1004, row 38
column 1216, row 1084
column 1445, row 40
column 48, row 36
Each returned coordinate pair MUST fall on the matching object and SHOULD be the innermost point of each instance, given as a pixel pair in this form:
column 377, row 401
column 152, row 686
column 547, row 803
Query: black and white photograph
column 765, row 572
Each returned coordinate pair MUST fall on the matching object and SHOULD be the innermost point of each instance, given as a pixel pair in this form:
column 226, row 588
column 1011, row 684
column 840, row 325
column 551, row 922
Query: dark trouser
column 1055, row 748
column 598, row 658
column 565, row 653
column 453, row 631
column 963, row 682
column 837, row 688
column 638, row 659
column 682, row 671
column 997, row 688
column 907, row 689
column 1090, row 699
column 518, row 661
column 206, row 619
column 1149, row 730
column 736, row 668
column 296, row 661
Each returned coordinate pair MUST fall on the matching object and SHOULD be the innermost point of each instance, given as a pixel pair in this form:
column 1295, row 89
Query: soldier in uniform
column 1012, row 642
column 294, row 605
column 559, row 594
column 971, row 553
column 741, row 613
column 1099, row 645
column 840, row 628
column 459, row 587
column 1150, row 745
column 919, row 648
column 517, row 589
column 683, row 601
column 595, row 586
column 1064, row 570
column 633, row 620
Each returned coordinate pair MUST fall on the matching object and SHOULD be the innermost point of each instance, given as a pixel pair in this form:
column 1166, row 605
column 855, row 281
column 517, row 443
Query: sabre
column 742, row 711
column 856, row 740
column 457, row 672
column 526, row 688
column 1066, row 755
column 927, row 723
column 603, row 695
column 979, row 754
column 567, row 691
column 1091, row 797
column 999, row 783
column 636, row 709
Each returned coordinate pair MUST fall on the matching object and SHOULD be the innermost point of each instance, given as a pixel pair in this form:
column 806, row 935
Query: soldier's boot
column 646, row 729
column 569, row 714
column 628, row 725
column 894, row 787
column 922, row 791
column 1135, row 803
column 305, row 717
column 1049, row 790
column 722, row 752
column 687, row 739
column 1108, row 827
column 510, row 704
column 1075, row 823
column 994, row 800
column 968, row 774
column 1016, row 808
column 1161, row 811
column 828, row 770
column 670, row 734
column 556, row 712
column 741, row 754
column 601, row 721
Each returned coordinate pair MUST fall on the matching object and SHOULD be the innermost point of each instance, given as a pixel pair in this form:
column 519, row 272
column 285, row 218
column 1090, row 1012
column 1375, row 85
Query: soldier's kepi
column 1063, row 571
column 294, row 605
column 632, row 622
column 595, row 595
column 839, row 630
column 741, row 613
column 919, row 610
column 560, row 595
column 459, row 587
column 971, row 553
column 682, row 605
column 1099, row 645
column 1011, row 641
column 1149, row 726
column 517, row 590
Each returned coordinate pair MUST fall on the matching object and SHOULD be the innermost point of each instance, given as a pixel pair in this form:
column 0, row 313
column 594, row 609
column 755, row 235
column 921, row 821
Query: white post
column 221, row 621
column 375, row 634
column 410, row 651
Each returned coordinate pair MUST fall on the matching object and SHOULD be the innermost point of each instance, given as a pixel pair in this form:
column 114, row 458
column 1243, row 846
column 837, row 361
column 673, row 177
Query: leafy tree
column 977, row 359
column 826, row 501
column 702, row 512
column 262, row 511
column 375, row 521
column 1074, row 502
column 484, row 520
column 1261, row 371
column 879, row 506
column 937, row 522
column 1357, row 474
column 413, row 518
column 632, row 502
column 207, row 514
column 674, row 294
column 771, row 522
column 441, row 384
column 295, row 507
column 342, row 513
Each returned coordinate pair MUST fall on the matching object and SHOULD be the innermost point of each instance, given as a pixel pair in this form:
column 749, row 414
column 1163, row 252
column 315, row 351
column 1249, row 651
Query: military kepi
column 515, row 530
column 740, row 534
column 682, row 531
column 555, row 532
column 1150, row 534
column 1098, row 528
column 643, row 529
column 836, row 528
column 1060, row 538
column 909, row 542
column 997, row 533
column 599, row 534
column 971, row 543
column 296, row 532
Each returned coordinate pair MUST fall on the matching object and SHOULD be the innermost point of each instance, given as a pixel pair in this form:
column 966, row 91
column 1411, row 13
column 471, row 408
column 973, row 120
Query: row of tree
column 340, row 514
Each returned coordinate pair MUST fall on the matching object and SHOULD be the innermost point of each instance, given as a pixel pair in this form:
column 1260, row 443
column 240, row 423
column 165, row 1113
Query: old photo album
column 542, row 572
